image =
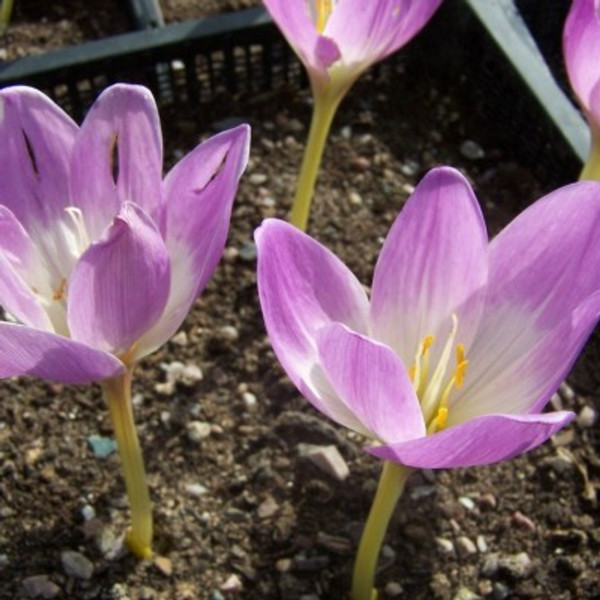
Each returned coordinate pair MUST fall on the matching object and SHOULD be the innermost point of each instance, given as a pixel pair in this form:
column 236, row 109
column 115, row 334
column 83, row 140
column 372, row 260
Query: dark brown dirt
column 526, row 529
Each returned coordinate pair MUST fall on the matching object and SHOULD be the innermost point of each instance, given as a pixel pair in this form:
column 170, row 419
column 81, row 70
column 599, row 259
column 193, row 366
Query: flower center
column 323, row 9
column 434, row 388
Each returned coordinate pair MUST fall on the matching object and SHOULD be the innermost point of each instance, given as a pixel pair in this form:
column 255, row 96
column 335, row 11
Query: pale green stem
column 324, row 109
column 389, row 490
column 591, row 169
column 5, row 12
column 117, row 392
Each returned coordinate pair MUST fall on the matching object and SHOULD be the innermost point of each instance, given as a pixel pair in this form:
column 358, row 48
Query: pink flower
column 462, row 342
column 100, row 258
column 342, row 38
column 581, row 44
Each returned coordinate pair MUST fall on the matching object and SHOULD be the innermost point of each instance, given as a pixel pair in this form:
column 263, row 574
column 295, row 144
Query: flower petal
column 118, row 157
column 433, row 264
column 369, row 31
column 302, row 286
column 37, row 141
column 27, row 351
column 581, row 45
column 37, row 138
column 200, row 191
column 481, row 441
column 372, row 383
column 120, row 285
column 541, row 304
column 294, row 20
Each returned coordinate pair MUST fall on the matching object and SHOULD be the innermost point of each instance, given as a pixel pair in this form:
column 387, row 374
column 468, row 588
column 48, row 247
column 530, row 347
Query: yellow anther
column 459, row 373
column 412, row 371
column 60, row 291
column 323, row 12
column 426, row 344
column 442, row 418
column 460, row 353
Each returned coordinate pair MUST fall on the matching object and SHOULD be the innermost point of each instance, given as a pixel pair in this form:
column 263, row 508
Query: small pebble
column 180, row 339
column 258, row 179
column 232, row 584
column 472, row 150
column 467, row 502
column 267, row 508
column 465, row 593
column 88, row 512
column 248, row 251
column 587, row 417
column 229, row 333
column 409, row 168
column 283, row 565
column 101, row 446
column 249, row 399
column 76, row 564
column 500, row 591
column 326, row 458
column 346, row 132
column 522, row 521
column 355, row 198
column 198, row 431
column 393, row 589
column 164, row 565
column 481, row 544
column 487, row 501
column 216, row 595
column 196, row 489
column 39, row 586
column 465, row 546
column 446, row 546
column 566, row 391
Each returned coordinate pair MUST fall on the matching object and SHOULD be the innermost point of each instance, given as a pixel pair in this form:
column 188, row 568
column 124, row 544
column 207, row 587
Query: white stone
column 326, row 458
column 198, row 431
column 76, row 564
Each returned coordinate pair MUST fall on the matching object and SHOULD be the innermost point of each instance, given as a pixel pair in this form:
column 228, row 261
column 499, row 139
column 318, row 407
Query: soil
column 240, row 513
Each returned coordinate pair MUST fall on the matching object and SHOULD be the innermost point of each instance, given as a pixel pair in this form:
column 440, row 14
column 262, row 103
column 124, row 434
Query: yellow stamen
column 441, row 418
column 426, row 344
column 460, row 353
column 459, row 373
column 412, row 370
column 61, row 291
column 323, row 12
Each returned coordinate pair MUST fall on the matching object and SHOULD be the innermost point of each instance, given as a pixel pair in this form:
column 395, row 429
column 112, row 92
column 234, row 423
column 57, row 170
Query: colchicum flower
column 581, row 45
column 337, row 40
column 100, row 259
column 462, row 343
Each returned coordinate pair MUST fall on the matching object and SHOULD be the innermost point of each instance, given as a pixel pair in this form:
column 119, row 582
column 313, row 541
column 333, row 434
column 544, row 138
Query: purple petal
column 369, row 31
column 37, row 138
column 581, row 45
column 200, row 191
column 518, row 370
column 302, row 286
column 433, row 264
column 119, row 286
column 24, row 277
column 18, row 298
column 542, row 302
column 294, row 20
column 37, row 141
column 481, row 441
column 372, row 383
column 26, row 351
column 118, row 157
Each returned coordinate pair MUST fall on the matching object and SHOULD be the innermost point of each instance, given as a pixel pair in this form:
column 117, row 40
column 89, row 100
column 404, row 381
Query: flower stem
column 591, row 169
column 117, row 392
column 324, row 109
column 5, row 12
column 389, row 490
